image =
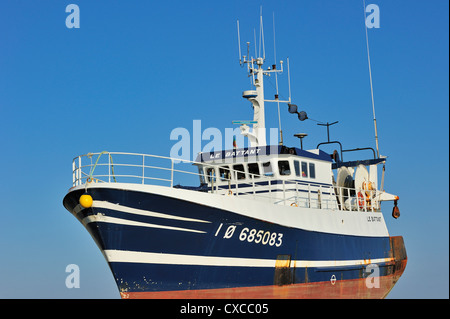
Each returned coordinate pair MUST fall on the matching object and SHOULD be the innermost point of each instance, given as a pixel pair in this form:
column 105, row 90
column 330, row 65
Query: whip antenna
column 276, row 79
column 261, row 36
column 254, row 37
column 371, row 86
column 239, row 42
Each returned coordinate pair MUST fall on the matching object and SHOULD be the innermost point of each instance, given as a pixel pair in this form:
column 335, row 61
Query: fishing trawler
column 265, row 221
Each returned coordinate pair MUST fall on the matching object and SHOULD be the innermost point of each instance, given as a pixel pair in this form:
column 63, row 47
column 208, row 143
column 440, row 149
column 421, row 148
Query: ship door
column 283, row 273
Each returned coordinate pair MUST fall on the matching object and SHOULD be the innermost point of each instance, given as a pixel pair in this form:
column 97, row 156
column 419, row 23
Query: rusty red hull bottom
column 348, row 289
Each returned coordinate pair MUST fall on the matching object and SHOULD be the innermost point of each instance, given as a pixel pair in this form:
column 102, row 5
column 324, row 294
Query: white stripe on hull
column 130, row 210
column 125, row 209
column 177, row 259
column 99, row 218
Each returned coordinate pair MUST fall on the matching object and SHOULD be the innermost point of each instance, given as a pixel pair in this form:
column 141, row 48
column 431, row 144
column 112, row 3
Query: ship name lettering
column 373, row 219
column 247, row 152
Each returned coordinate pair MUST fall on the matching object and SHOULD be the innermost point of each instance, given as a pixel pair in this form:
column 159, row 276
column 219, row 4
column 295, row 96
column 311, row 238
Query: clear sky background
column 135, row 70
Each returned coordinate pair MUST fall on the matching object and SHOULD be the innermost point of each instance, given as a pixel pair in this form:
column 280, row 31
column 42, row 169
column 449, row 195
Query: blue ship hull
column 161, row 247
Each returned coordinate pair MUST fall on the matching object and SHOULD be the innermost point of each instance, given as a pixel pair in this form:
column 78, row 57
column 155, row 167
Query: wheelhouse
column 275, row 162
column 274, row 173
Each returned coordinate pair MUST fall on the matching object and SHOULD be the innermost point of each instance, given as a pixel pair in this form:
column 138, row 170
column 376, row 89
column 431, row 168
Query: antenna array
column 256, row 74
column 259, row 60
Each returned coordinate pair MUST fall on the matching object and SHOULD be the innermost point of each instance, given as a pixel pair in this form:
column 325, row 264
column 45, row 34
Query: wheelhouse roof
column 255, row 152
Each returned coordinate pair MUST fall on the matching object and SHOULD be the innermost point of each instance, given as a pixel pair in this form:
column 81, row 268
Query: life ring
column 230, row 192
column 369, row 188
column 294, row 204
column 360, row 200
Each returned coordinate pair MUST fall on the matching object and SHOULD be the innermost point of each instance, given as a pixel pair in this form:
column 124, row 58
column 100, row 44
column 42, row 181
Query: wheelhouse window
column 267, row 167
column 210, row 174
column 297, row 168
column 240, row 172
column 253, row 170
column 312, row 170
column 284, row 168
column 304, row 169
column 224, row 173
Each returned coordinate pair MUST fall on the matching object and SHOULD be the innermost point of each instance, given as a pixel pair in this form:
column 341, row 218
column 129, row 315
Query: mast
column 257, row 136
column 259, row 128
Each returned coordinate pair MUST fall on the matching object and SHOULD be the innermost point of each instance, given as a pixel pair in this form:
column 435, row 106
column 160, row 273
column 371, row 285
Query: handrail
column 136, row 169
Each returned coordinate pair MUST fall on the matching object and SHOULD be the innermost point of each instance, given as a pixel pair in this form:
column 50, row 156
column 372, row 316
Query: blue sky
column 135, row 70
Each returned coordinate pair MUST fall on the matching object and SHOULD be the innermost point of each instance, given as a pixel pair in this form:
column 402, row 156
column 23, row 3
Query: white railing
column 107, row 167
column 110, row 167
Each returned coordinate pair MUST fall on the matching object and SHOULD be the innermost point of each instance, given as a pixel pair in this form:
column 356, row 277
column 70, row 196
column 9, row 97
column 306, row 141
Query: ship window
column 224, row 173
column 210, row 174
column 240, row 171
column 283, row 168
column 297, row 168
column 312, row 170
column 253, row 168
column 267, row 169
column 304, row 169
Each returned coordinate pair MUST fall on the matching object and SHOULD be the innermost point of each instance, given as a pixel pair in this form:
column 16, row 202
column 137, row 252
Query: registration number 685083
column 261, row 237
